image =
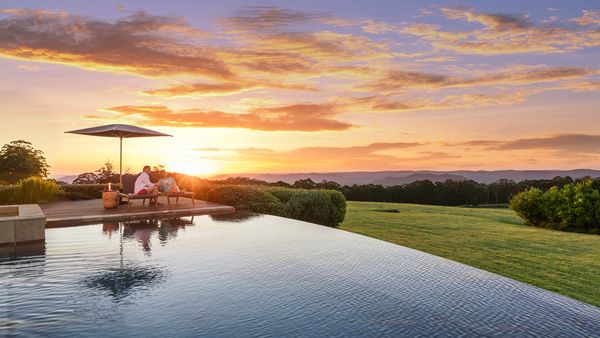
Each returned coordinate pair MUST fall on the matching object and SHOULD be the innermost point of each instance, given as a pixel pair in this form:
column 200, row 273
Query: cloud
column 299, row 117
column 276, row 41
column 583, row 86
column 514, row 75
column 588, row 18
column 502, row 34
column 498, row 22
column 218, row 89
column 306, row 117
column 140, row 43
column 568, row 143
column 267, row 18
column 378, row 27
column 378, row 103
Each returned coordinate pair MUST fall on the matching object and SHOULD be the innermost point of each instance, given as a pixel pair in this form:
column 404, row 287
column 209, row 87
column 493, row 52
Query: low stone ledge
column 21, row 223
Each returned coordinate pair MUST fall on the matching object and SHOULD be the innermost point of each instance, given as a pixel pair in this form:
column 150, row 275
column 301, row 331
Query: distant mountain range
column 406, row 176
column 67, row 179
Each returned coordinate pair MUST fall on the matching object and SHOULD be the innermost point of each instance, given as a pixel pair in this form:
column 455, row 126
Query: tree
column 107, row 174
column 86, row 178
column 306, row 183
column 19, row 160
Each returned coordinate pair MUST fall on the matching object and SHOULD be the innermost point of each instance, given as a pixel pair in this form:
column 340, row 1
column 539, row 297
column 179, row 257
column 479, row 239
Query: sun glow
column 192, row 166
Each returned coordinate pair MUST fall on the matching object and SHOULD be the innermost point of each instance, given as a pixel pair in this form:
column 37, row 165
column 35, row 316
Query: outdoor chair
column 185, row 194
column 128, row 188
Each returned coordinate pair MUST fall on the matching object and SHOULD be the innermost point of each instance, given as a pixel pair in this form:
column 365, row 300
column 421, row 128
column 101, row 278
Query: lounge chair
column 128, row 188
column 185, row 194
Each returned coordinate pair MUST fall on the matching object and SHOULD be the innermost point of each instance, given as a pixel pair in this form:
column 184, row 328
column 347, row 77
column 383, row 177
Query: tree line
column 450, row 192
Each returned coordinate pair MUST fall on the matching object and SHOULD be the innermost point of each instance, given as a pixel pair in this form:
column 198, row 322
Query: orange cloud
column 378, row 103
column 307, row 117
column 141, row 44
column 515, row 75
column 576, row 143
column 289, row 118
column 217, row 89
column 565, row 143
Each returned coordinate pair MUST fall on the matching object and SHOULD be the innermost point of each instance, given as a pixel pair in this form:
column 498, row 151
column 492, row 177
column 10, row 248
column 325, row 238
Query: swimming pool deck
column 71, row 213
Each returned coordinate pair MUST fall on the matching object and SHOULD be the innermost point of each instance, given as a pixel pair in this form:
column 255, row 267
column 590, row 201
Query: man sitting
column 143, row 185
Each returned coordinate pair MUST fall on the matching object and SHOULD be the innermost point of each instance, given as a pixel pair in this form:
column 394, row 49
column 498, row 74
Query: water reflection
column 170, row 227
column 111, row 229
column 20, row 250
column 122, row 281
column 143, row 231
column 237, row 217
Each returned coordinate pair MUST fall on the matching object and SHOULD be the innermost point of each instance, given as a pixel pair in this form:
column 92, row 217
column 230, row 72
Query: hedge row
column 325, row 207
column 85, row 191
column 574, row 207
column 34, row 190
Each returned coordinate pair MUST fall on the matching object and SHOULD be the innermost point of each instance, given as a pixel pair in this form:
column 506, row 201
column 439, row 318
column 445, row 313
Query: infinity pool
column 250, row 275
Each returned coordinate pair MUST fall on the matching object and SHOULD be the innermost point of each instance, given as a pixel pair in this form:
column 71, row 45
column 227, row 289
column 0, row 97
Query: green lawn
column 490, row 239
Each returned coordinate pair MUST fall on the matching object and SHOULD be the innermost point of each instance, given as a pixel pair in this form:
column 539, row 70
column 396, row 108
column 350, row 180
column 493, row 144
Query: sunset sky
column 300, row 86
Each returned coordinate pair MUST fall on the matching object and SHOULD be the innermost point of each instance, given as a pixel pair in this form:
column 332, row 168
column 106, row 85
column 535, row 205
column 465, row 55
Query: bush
column 8, row 194
column 85, row 191
column 574, row 207
column 529, row 205
column 325, row 207
column 282, row 194
column 316, row 206
column 246, row 198
column 36, row 189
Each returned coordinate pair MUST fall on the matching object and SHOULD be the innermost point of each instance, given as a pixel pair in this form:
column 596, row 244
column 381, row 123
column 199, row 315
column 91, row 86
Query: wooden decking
column 70, row 213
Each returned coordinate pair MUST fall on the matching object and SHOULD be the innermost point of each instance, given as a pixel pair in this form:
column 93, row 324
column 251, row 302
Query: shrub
column 282, row 194
column 529, row 205
column 246, row 198
column 36, row 189
column 323, row 207
column 8, row 194
column 85, row 191
column 574, row 207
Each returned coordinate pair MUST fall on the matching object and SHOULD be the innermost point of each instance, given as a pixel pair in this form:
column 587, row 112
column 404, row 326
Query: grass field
column 490, row 239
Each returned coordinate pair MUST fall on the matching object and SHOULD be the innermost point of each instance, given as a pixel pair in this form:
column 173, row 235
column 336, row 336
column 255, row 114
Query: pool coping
column 124, row 217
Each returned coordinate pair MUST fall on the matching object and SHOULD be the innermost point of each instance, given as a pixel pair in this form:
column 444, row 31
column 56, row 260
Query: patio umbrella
column 121, row 131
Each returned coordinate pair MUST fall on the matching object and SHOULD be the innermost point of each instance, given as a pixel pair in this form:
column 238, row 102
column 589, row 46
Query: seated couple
column 143, row 185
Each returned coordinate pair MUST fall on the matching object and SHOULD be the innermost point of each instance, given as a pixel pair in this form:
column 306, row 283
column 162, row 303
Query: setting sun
column 191, row 166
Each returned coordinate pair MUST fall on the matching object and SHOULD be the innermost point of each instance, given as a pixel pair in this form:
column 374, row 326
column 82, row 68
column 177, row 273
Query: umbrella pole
column 121, row 161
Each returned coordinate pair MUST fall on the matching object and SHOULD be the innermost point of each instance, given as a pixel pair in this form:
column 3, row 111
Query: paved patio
column 71, row 213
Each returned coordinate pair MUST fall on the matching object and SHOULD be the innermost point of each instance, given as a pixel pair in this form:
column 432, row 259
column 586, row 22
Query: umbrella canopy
column 121, row 131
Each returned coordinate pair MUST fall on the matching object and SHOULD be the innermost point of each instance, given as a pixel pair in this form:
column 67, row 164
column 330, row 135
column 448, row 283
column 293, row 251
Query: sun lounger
column 185, row 194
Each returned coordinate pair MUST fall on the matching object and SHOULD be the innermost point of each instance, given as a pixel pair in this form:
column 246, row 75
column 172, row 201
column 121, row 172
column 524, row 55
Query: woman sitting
column 167, row 183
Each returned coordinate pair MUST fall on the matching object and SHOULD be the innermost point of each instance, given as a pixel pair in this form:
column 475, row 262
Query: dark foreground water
column 244, row 275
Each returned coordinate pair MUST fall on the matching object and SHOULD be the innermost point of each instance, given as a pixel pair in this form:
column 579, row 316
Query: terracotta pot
column 110, row 199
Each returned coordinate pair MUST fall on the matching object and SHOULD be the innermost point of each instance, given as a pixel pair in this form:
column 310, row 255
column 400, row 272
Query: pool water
column 252, row 275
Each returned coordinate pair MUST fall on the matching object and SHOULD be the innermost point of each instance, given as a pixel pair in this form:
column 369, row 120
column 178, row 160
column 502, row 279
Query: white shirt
column 142, row 182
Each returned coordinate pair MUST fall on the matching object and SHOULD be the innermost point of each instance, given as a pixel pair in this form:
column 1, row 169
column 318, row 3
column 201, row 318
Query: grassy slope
column 490, row 239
